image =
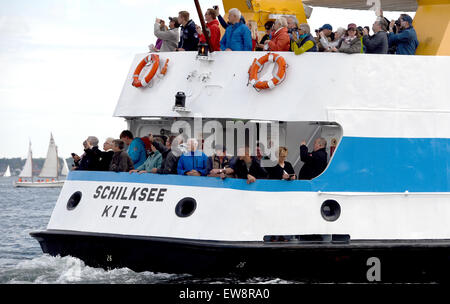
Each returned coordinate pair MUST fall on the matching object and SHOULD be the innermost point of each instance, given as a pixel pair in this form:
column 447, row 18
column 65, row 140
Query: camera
column 215, row 7
column 73, row 154
column 397, row 23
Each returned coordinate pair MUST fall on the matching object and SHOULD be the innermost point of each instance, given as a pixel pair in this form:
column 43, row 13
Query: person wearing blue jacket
column 237, row 36
column 193, row 162
column 136, row 148
column 405, row 40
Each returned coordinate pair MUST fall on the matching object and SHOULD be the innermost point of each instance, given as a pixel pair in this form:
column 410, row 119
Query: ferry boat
column 383, row 200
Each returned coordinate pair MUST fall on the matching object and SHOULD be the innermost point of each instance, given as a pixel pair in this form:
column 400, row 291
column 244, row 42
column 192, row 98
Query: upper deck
column 318, row 87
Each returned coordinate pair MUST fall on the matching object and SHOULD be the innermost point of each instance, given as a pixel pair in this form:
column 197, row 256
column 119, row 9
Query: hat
column 406, row 18
column 177, row 24
column 326, row 27
column 351, row 25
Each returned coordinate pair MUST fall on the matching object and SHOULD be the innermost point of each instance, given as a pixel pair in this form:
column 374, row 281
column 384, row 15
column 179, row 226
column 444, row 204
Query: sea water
column 23, row 210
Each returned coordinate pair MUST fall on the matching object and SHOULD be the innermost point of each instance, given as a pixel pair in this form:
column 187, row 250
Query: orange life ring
column 142, row 83
column 258, row 63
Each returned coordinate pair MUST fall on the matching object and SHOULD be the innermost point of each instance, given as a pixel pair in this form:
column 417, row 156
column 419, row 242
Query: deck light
column 203, row 50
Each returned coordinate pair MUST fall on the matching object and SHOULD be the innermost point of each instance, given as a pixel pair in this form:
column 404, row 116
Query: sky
column 63, row 64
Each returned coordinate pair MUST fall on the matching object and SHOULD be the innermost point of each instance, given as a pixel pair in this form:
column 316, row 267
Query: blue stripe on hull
column 359, row 165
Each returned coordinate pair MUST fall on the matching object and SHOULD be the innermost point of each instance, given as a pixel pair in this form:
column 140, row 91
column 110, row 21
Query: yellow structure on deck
column 432, row 19
column 432, row 23
column 263, row 10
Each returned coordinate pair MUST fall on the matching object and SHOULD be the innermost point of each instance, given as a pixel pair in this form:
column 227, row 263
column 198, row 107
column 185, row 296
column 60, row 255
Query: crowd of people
column 285, row 34
column 159, row 155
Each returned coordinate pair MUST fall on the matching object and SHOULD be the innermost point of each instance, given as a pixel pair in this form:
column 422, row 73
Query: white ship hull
column 55, row 184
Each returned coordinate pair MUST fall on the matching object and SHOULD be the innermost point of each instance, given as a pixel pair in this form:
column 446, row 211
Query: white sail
column 50, row 168
column 65, row 168
column 27, row 170
column 7, row 172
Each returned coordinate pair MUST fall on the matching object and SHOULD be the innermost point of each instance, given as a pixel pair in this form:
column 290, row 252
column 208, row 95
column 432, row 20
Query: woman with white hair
column 292, row 25
column 303, row 40
column 280, row 41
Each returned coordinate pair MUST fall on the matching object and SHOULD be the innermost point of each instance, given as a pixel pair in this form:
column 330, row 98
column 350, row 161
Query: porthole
column 186, row 207
column 330, row 210
column 74, row 200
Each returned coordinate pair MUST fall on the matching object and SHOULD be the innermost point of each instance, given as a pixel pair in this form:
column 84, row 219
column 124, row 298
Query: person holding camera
column 169, row 37
column 406, row 38
column 377, row 43
column 325, row 32
column 315, row 162
column 303, row 40
column 222, row 21
column 283, row 169
column 280, row 41
column 91, row 157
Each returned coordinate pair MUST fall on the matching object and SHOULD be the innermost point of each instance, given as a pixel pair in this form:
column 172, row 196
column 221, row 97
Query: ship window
column 74, row 200
column 186, row 207
column 262, row 136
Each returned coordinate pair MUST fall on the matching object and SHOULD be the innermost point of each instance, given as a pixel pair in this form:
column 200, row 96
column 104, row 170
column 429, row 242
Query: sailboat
column 49, row 173
column 7, row 172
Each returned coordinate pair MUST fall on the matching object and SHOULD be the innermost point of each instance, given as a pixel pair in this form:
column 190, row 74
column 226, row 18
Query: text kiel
column 127, row 194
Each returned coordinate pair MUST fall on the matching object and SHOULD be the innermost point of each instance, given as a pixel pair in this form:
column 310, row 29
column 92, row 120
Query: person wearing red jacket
column 280, row 40
column 214, row 31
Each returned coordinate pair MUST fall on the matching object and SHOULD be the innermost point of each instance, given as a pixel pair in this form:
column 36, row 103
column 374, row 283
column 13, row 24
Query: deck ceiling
column 386, row 5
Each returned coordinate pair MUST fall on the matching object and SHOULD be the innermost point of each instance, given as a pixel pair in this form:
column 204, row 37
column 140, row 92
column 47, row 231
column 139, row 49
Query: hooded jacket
column 237, row 37
column 137, row 152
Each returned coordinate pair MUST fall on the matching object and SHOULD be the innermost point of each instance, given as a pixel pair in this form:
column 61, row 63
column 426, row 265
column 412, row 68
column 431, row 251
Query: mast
column 202, row 22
